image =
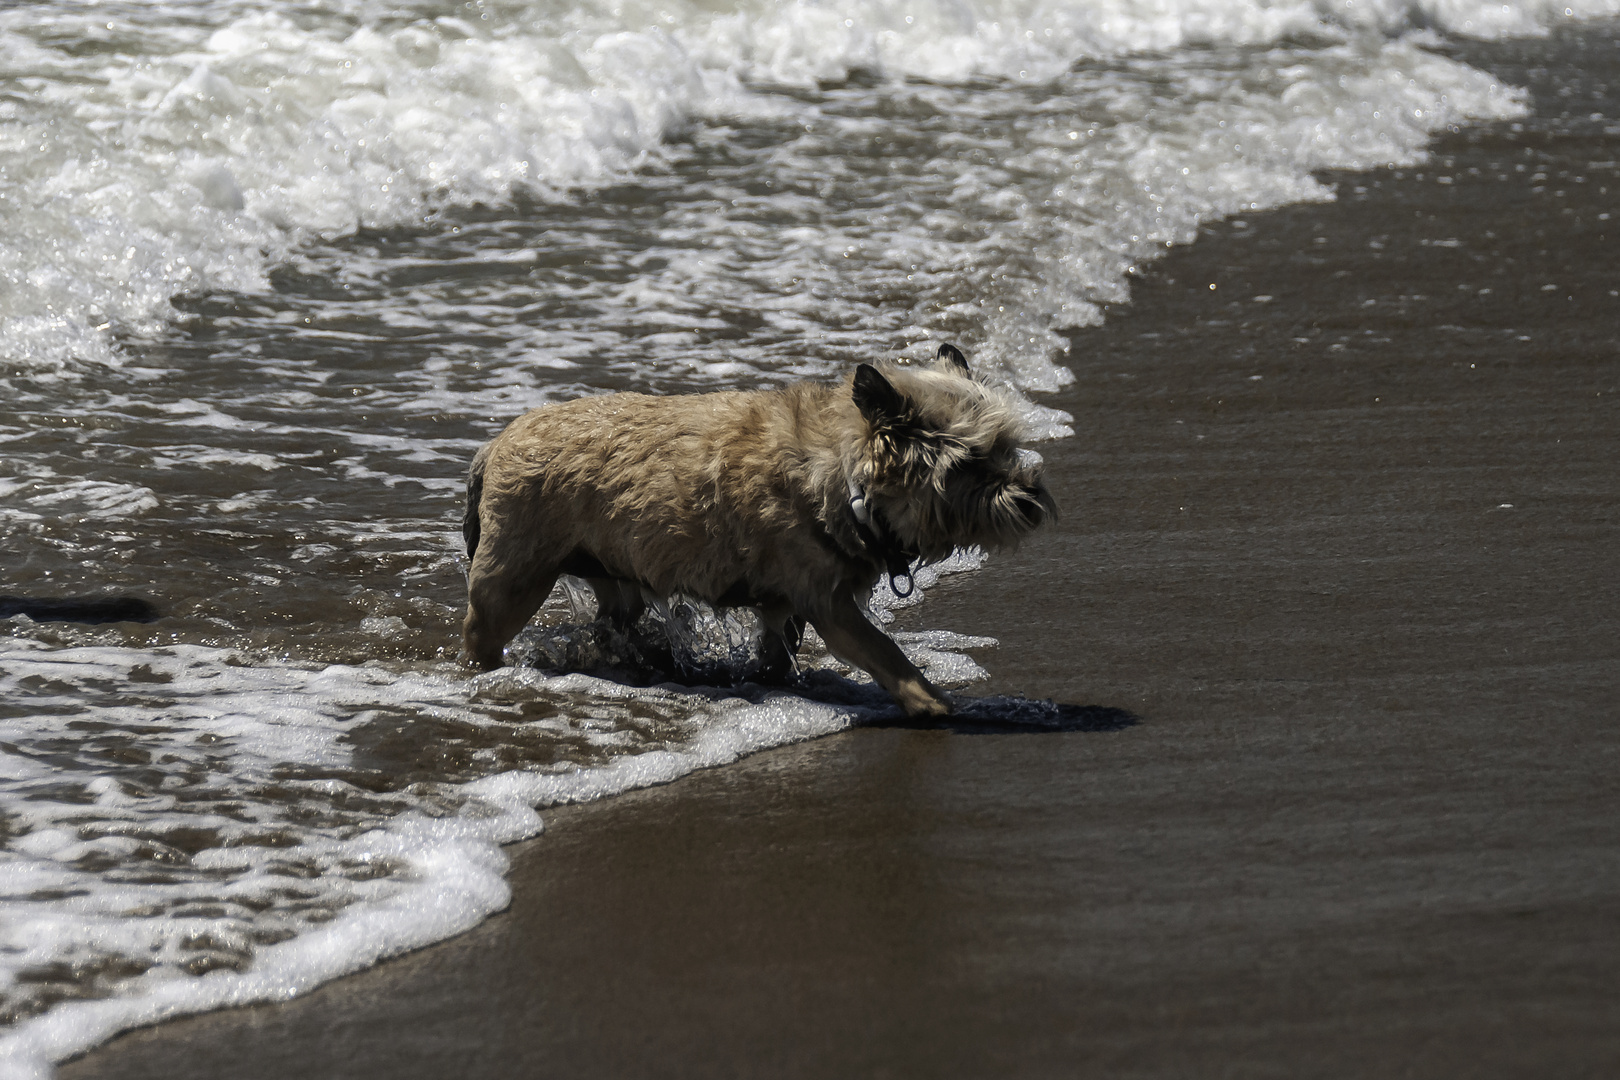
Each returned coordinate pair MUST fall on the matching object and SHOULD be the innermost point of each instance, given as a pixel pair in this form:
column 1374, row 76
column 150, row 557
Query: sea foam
column 191, row 155
column 255, row 840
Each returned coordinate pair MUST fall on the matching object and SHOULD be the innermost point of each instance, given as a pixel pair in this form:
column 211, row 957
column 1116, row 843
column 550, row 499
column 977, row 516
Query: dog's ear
column 951, row 357
column 878, row 400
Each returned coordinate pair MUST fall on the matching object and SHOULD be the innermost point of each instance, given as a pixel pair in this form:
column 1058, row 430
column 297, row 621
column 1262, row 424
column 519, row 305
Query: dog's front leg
column 853, row 639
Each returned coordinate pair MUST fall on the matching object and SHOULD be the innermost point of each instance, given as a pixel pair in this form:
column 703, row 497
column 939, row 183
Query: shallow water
column 271, row 275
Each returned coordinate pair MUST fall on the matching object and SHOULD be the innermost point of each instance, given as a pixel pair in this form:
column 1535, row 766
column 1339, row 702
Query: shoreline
column 1365, row 824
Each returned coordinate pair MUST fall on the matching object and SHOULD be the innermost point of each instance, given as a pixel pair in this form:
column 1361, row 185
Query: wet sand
column 1348, row 552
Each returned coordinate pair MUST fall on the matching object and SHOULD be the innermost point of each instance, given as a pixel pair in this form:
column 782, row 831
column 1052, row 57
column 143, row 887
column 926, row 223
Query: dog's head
column 941, row 461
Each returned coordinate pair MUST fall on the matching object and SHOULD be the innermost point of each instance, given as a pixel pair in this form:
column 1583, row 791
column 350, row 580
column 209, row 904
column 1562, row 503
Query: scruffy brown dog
column 794, row 501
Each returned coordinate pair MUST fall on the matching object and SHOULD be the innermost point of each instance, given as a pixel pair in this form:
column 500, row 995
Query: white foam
column 251, row 770
column 939, row 654
column 191, row 155
column 1037, row 39
column 195, row 158
column 82, row 499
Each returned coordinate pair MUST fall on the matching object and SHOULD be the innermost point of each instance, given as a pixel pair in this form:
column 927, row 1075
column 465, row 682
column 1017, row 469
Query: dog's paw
column 920, row 700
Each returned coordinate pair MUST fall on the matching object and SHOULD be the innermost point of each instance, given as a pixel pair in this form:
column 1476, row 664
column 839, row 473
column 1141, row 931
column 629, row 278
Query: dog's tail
column 470, row 524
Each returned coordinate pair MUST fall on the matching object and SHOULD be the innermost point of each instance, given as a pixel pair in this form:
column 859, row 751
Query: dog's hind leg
column 617, row 600
column 852, row 638
column 499, row 604
column 777, row 649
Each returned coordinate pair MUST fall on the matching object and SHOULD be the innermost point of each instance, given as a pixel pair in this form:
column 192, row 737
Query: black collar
column 881, row 542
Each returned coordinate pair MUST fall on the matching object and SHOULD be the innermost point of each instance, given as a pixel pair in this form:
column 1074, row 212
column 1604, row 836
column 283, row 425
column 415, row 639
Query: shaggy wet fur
column 746, row 498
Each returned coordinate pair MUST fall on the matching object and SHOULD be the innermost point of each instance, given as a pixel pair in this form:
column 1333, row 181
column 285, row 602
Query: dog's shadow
column 594, row 650
column 643, row 657
column 998, row 714
column 1001, row 715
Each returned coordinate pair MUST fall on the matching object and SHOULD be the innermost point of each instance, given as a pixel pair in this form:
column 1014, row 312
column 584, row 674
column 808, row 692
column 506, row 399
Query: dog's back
column 690, row 493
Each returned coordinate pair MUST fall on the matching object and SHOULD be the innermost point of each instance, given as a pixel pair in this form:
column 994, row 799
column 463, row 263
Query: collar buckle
column 881, row 542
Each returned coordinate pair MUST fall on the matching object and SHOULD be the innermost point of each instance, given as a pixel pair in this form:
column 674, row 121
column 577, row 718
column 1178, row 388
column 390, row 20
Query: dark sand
column 1369, row 823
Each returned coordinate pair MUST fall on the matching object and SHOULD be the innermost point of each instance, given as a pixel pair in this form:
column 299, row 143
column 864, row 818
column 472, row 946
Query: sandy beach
column 1340, row 524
